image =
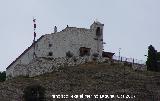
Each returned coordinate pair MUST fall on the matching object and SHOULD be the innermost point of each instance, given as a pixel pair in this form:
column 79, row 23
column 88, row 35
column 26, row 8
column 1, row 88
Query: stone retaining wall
column 43, row 65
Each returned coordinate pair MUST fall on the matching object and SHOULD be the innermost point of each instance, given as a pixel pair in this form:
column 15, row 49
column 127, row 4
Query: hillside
column 88, row 79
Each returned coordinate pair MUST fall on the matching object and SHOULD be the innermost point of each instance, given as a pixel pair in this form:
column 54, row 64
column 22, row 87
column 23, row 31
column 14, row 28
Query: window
column 50, row 54
column 84, row 51
column 50, row 45
column 98, row 31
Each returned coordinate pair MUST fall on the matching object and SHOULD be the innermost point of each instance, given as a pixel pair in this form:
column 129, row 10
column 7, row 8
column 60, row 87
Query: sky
column 131, row 25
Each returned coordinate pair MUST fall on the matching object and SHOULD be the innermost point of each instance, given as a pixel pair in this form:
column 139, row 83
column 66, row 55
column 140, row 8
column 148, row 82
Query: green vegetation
column 2, row 76
column 152, row 59
column 158, row 56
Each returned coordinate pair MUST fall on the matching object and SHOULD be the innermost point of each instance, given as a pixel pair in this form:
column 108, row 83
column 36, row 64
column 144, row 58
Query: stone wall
column 44, row 65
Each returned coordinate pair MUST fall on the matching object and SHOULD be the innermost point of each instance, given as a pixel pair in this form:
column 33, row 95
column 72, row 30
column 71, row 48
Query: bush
column 2, row 76
column 75, row 59
column 95, row 56
column 69, row 54
column 127, row 64
column 34, row 93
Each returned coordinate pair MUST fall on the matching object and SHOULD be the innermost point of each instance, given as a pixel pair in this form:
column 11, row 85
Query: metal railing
column 130, row 60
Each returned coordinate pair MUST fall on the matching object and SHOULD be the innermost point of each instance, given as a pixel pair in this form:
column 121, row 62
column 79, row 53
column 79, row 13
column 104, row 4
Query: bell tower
column 97, row 28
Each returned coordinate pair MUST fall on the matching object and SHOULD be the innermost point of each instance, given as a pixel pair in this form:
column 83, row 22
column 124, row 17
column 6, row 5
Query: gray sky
column 128, row 24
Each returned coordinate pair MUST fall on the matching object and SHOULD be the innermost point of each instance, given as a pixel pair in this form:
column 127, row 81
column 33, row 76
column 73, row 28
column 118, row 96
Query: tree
column 158, row 56
column 158, row 61
column 2, row 76
column 152, row 59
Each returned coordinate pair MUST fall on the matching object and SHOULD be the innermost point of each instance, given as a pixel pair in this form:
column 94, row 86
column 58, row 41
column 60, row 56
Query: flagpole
column 34, row 25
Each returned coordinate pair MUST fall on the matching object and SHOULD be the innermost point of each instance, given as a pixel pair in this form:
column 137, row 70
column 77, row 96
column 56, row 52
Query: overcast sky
column 128, row 24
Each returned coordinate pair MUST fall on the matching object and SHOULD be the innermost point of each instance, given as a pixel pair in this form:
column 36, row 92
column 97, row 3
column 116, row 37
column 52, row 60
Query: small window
column 84, row 51
column 50, row 45
column 98, row 31
column 50, row 54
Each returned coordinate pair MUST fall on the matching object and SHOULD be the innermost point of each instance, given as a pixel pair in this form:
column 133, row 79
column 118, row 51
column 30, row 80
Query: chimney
column 55, row 29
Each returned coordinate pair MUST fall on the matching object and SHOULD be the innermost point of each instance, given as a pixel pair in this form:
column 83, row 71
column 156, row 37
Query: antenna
column 34, row 28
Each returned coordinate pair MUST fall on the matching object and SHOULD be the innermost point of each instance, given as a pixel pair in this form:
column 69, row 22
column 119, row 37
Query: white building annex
column 78, row 41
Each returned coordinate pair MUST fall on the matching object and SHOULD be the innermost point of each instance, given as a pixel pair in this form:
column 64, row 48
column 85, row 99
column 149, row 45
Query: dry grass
column 90, row 78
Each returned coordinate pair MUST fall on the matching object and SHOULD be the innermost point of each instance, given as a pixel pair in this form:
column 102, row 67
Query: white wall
column 69, row 39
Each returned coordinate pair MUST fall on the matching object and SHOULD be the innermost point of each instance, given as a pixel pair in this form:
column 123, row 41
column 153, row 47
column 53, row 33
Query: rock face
column 89, row 79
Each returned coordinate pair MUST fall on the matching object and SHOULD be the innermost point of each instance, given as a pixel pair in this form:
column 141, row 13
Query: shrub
column 75, row 59
column 69, row 54
column 2, row 76
column 95, row 55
